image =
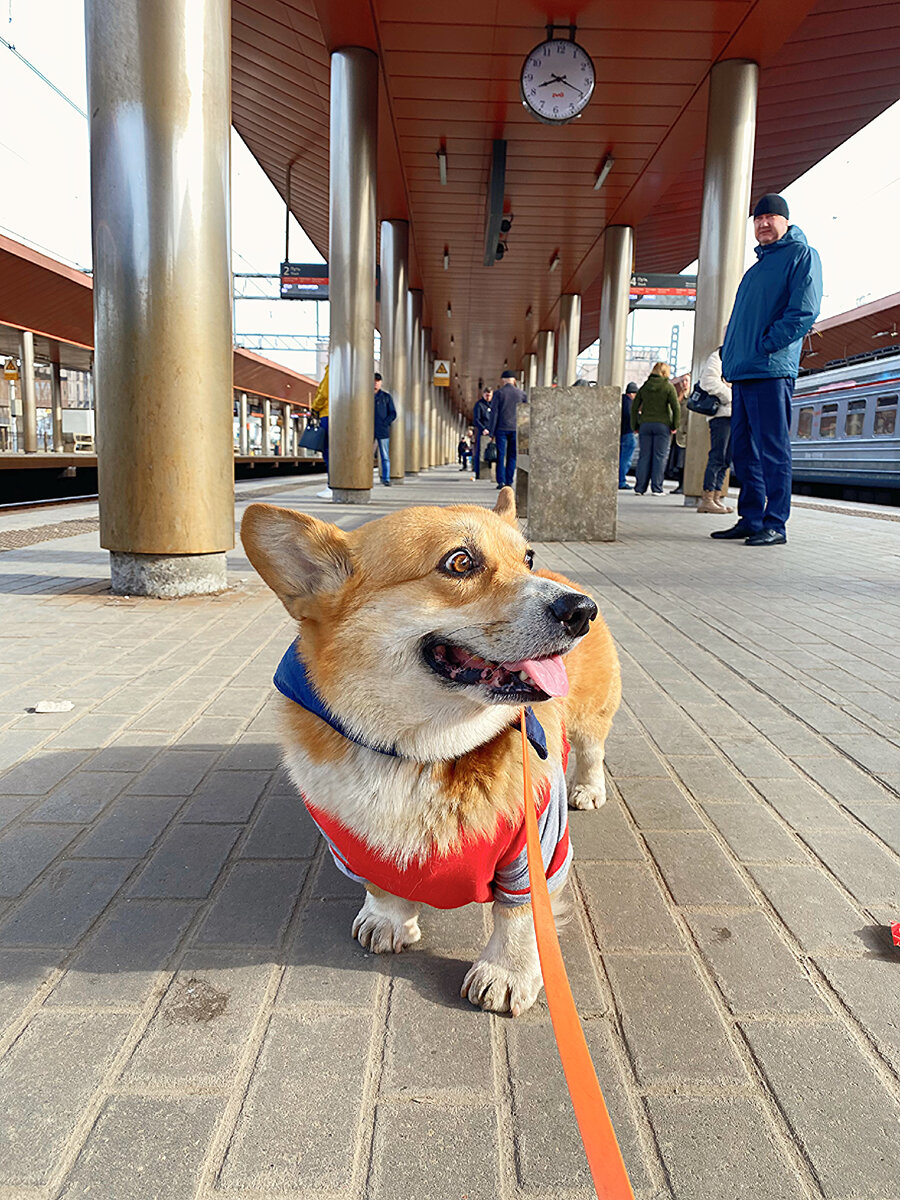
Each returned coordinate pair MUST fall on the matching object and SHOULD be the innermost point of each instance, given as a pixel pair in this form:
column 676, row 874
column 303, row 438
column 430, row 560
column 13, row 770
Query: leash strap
column 600, row 1145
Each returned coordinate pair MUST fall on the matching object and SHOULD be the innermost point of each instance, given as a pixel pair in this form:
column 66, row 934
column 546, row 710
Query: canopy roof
column 450, row 80
column 871, row 328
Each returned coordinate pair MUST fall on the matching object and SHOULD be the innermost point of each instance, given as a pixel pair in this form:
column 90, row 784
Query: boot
column 720, row 498
column 709, row 504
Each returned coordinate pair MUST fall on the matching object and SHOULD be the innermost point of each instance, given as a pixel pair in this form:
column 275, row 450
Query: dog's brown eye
column 529, row 559
column 459, row 562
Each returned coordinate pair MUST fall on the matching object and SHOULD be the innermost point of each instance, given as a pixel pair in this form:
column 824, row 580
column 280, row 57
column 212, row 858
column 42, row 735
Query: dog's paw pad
column 381, row 935
column 497, row 989
column 583, row 797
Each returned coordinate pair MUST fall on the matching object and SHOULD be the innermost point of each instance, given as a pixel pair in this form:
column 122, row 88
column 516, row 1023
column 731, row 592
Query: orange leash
column 600, row 1145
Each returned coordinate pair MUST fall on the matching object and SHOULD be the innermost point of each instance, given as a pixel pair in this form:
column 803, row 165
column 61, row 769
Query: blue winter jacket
column 775, row 307
column 504, row 406
column 385, row 413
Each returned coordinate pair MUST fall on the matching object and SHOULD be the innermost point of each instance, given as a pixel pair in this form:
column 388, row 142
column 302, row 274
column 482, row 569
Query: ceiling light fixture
column 442, row 165
column 446, row 258
column 528, row 313
column 554, row 263
column 605, row 167
column 449, row 311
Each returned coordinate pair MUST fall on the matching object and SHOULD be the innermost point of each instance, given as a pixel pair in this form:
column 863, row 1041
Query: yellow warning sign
column 441, row 376
column 11, row 369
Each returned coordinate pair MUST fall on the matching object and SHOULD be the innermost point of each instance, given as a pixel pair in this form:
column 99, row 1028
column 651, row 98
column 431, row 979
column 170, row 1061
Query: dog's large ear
column 505, row 508
column 296, row 555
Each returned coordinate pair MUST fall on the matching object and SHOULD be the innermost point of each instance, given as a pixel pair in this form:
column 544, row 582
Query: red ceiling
column 450, row 77
column 870, row 327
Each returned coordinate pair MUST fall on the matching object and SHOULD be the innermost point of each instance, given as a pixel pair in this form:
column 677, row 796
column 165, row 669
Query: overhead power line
column 41, row 75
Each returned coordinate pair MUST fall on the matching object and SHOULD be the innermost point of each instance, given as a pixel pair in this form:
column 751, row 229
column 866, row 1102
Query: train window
column 885, row 416
column 856, row 415
column 804, row 423
column 828, row 421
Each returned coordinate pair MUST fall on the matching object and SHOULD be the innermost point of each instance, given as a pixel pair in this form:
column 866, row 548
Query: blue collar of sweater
column 292, row 681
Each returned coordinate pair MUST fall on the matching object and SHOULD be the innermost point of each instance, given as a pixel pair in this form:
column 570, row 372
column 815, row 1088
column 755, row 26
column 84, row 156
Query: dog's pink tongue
column 548, row 673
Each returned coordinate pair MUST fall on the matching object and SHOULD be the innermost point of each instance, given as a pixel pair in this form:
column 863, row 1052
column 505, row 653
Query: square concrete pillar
column 572, row 463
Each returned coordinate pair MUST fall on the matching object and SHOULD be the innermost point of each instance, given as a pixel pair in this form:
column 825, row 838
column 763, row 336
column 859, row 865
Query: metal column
column 569, row 335
column 427, row 400
column 395, row 334
column 266, row 448
column 56, row 404
column 288, row 426
column 545, row 358
column 529, row 372
column 414, row 412
column 618, row 254
column 728, row 172
column 159, row 83
column 29, row 402
column 243, row 432
column 351, row 272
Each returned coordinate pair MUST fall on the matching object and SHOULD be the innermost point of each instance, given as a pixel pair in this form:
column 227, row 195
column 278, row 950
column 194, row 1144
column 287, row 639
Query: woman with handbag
column 654, row 416
column 711, row 381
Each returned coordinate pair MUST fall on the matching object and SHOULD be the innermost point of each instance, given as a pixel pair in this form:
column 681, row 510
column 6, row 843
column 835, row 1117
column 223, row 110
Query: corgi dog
column 421, row 636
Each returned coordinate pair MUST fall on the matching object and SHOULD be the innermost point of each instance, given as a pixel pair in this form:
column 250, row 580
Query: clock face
column 557, row 81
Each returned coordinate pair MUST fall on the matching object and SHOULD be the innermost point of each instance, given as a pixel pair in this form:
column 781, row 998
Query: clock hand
column 561, row 79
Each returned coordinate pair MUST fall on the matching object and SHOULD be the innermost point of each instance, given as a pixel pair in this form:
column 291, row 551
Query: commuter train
column 845, row 431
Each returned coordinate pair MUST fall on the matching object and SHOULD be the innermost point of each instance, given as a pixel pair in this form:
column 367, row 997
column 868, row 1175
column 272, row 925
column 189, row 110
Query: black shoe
column 386, row 483
column 766, row 537
column 735, row 532
column 679, row 491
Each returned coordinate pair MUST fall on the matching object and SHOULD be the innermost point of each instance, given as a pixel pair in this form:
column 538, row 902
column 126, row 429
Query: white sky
column 846, row 205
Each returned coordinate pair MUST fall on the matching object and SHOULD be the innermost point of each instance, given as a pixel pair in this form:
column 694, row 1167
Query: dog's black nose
column 574, row 612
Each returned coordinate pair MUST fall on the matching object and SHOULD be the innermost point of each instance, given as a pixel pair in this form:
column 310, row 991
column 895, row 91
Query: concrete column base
column 397, row 479
column 412, row 474
column 351, row 495
column 167, row 576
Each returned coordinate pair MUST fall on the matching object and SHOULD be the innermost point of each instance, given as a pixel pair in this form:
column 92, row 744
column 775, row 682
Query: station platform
column 184, row 1013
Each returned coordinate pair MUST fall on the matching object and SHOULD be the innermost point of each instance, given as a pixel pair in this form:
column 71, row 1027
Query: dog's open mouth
column 527, row 680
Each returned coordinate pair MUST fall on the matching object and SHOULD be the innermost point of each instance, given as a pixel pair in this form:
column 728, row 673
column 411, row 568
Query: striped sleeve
column 510, row 883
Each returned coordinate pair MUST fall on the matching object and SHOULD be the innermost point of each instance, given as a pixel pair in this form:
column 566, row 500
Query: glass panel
column 828, row 421
column 885, row 421
column 804, row 423
column 856, row 415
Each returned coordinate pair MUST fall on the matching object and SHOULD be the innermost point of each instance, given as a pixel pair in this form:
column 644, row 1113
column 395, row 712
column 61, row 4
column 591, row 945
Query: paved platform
column 183, row 1011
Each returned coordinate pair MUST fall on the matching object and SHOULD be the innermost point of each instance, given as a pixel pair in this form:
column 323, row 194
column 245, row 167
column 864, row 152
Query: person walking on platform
column 713, row 499
column 502, row 427
column 776, row 305
column 626, row 438
column 319, row 408
column 654, row 416
column 385, row 415
column 481, row 419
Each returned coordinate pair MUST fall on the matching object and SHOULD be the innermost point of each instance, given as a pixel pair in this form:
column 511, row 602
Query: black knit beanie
column 772, row 203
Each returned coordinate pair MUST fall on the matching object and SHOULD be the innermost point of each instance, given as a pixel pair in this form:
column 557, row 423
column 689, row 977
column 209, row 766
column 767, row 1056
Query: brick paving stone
column 88, row 732
column 603, row 835
column 842, row 780
column 332, row 884
column 754, row 835
column 837, row 1107
column 237, row 702
column 67, row 901
column 869, row 872
column 128, row 828
column 722, row 1149
column 696, row 870
column 26, row 851
column 882, row 819
column 131, row 752
column 456, row 931
column 14, row 745
column 175, row 773
column 36, row 776
column 12, row 807
column 80, row 798
column 45, row 1081
column 752, row 965
column 754, row 759
column 541, row 1100
column 627, row 908
column 252, row 753
column 22, row 972
column 872, row 752
column 282, row 829
column 120, row 961
column 254, row 904
column 417, row 1152
column 868, row 987
column 708, row 778
column 634, row 757
column 674, row 1033
column 810, row 905
column 659, row 804
column 187, row 861
column 226, row 796
column 201, row 1027
column 286, row 1141
column 210, row 733
column 792, row 738
column 144, row 1147
column 326, row 967
column 676, row 736
column 800, row 804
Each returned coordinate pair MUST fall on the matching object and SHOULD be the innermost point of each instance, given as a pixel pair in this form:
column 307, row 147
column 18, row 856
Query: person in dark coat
column 654, row 416
column 626, row 438
column 385, row 415
column 481, row 419
column 502, row 427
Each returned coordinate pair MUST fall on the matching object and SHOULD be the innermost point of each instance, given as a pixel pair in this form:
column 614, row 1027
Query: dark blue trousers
column 506, row 456
column 761, row 450
column 476, row 458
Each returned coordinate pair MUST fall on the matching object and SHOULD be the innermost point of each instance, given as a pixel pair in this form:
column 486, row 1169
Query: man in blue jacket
column 502, row 427
column 481, row 419
column 776, row 304
column 385, row 415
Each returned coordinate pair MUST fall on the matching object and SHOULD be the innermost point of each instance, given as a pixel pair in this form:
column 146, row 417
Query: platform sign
column 304, row 281
column 663, row 291
column 11, row 369
column 441, row 377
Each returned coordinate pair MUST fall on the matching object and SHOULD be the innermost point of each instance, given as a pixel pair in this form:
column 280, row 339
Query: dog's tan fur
column 362, row 600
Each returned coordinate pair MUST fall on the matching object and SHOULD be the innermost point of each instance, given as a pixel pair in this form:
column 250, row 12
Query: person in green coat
column 654, row 417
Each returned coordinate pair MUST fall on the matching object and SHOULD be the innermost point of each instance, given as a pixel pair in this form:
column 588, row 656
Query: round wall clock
column 557, row 80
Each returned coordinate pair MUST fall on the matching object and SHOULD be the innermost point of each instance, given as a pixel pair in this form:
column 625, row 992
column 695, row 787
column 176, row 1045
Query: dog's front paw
column 585, row 795
column 498, row 989
column 385, row 924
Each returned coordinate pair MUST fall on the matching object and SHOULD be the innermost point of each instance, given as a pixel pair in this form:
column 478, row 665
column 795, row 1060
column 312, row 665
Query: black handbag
column 313, row 437
column 702, row 402
column 490, row 452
